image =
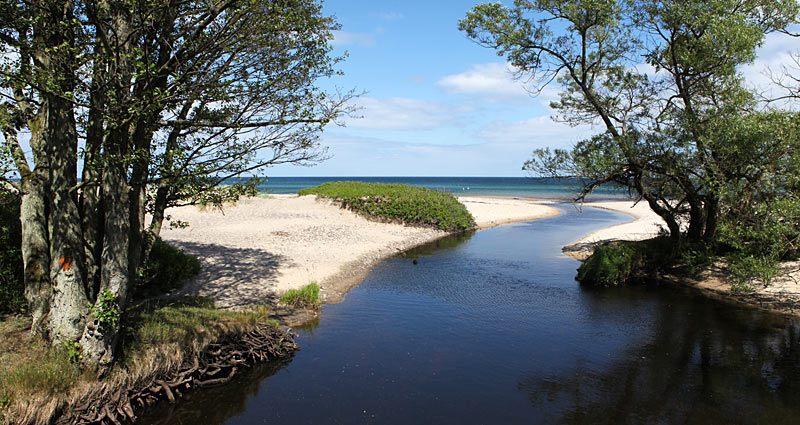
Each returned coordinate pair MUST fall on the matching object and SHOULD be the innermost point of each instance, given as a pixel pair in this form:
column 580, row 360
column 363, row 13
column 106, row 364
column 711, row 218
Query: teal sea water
column 478, row 186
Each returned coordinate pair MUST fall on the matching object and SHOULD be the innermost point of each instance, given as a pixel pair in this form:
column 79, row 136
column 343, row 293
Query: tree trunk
column 91, row 213
column 36, row 249
column 100, row 338
column 55, row 31
column 67, row 272
column 712, row 219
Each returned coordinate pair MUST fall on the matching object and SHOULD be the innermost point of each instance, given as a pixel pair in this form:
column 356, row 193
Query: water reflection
column 217, row 404
column 712, row 364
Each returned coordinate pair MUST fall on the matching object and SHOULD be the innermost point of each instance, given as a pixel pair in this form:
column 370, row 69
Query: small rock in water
column 415, row 261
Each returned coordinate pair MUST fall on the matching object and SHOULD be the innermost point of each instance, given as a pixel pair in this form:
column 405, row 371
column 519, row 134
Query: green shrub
column 408, row 204
column 167, row 268
column 619, row 262
column 12, row 297
column 306, row 297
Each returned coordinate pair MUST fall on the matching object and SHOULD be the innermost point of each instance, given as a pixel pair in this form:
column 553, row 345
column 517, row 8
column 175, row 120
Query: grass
column 398, row 202
column 37, row 380
column 305, row 297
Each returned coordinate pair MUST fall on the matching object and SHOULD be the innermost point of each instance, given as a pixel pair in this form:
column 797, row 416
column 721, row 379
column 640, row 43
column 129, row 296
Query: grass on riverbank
column 38, row 381
column 398, row 202
column 305, row 297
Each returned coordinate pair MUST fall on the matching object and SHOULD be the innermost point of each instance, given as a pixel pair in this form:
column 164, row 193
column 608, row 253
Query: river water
column 491, row 328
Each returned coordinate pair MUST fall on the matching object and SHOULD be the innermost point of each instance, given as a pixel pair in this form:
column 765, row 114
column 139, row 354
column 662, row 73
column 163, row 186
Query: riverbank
column 645, row 225
column 781, row 296
column 258, row 249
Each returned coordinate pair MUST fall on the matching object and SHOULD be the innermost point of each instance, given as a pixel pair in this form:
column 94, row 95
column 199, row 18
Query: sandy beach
column 258, row 249
column 645, row 225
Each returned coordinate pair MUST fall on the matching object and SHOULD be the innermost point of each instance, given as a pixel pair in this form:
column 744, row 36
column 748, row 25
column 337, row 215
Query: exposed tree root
column 215, row 366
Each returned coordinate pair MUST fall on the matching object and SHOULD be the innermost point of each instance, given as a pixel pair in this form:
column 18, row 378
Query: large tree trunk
column 67, row 272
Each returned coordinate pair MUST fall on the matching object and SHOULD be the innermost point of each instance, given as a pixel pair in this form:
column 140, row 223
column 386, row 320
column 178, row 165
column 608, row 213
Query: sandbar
column 259, row 248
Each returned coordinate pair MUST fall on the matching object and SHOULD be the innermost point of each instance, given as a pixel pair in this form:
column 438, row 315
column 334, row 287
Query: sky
column 437, row 104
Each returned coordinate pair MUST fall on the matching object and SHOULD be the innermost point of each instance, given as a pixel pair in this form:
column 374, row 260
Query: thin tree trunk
column 33, row 217
column 91, row 213
column 712, row 219
column 100, row 337
column 36, row 249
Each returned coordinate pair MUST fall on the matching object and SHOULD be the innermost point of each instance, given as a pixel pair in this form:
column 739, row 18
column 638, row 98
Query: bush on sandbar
column 400, row 202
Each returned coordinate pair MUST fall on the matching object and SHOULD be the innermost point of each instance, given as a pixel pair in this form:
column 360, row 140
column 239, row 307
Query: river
column 491, row 328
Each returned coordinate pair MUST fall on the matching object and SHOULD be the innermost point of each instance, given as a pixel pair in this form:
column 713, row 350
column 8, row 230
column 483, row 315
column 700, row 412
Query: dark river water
column 491, row 328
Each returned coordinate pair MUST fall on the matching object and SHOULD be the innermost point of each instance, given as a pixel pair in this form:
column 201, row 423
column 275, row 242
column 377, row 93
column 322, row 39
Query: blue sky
column 437, row 104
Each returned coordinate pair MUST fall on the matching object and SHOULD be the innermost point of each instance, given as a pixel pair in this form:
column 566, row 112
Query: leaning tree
column 156, row 102
column 661, row 79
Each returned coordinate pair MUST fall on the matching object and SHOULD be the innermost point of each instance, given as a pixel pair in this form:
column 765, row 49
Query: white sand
column 645, row 225
column 260, row 248
column 490, row 212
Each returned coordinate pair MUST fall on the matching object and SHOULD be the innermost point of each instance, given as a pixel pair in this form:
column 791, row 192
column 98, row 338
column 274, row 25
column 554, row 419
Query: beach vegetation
column 167, row 268
column 158, row 103
column 398, row 202
column 305, row 297
column 684, row 133
column 620, row 262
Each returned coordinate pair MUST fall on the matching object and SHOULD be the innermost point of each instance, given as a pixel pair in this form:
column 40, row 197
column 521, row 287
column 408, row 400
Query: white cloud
column 402, row 114
column 537, row 132
column 488, row 79
column 344, row 38
column 773, row 60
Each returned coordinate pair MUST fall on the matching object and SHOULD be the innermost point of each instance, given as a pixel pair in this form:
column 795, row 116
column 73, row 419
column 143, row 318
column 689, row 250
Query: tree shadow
column 233, row 277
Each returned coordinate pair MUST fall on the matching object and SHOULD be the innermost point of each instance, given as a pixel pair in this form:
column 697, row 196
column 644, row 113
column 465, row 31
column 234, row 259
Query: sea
column 525, row 187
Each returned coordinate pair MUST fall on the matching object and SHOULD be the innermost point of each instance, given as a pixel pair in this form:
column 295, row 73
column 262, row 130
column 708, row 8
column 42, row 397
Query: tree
column 660, row 77
column 162, row 100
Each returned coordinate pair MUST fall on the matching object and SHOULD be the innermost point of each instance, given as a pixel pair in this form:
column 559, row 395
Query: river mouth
column 491, row 328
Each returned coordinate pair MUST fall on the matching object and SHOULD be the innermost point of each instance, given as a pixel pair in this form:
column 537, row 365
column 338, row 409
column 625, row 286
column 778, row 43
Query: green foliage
column 619, row 262
column 408, row 204
column 105, row 309
column 167, row 268
column 72, row 350
column 305, row 297
column 11, row 269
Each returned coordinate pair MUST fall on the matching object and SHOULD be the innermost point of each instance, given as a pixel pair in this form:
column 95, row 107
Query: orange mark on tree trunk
column 66, row 263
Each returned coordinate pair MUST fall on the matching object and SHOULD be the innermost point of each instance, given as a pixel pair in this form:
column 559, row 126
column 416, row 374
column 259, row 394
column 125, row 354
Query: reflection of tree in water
column 714, row 364
column 228, row 400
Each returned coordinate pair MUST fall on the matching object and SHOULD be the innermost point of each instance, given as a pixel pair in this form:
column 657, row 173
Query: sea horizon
column 527, row 187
